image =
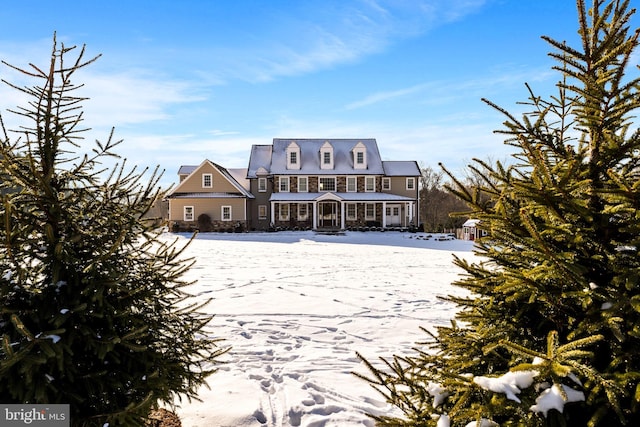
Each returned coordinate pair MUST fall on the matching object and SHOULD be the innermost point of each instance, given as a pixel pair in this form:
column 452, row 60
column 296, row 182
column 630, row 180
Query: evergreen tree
column 93, row 310
column 549, row 334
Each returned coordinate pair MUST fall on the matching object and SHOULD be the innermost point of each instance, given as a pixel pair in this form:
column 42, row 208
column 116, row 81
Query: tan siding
column 193, row 183
column 399, row 186
column 211, row 207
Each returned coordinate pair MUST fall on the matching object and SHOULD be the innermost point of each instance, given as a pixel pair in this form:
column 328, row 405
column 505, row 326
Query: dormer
column 359, row 152
column 326, row 156
column 293, row 156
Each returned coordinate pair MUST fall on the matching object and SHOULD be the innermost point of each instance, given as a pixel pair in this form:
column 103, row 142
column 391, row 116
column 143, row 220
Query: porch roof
column 344, row 197
column 207, row 196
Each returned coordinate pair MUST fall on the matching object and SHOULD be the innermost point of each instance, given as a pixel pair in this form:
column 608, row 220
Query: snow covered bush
column 92, row 308
column 550, row 332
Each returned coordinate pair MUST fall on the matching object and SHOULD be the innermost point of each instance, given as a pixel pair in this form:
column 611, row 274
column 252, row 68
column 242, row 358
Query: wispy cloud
column 327, row 34
column 447, row 91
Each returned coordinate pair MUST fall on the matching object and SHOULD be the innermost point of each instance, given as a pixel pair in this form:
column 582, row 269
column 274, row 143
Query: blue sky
column 186, row 80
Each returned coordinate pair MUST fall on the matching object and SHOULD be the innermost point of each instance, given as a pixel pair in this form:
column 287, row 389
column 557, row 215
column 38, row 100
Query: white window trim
column 355, row 211
column 366, row 211
column 262, row 185
column 335, row 183
column 366, row 186
column 355, row 186
column 222, row 209
column 413, row 183
column 386, row 184
column 293, row 148
column 306, row 212
column 210, row 176
column 326, row 148
column 282, row 180
column 281, row 212
column 185, row 214
column 264, row 214
column 306, row 190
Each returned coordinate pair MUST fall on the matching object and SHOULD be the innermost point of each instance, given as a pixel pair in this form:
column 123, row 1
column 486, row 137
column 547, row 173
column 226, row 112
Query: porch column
column 410, row 212
column 342, row 223
column 273, row 213
column 314, row 220
column 384, row 214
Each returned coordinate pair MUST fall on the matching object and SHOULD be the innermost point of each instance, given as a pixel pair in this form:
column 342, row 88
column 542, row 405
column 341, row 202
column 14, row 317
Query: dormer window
column 359, row 156
column 293, row 156
column 326, row 156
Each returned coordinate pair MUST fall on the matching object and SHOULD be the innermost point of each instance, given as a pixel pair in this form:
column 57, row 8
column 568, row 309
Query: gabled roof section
column 223, row 171
column 186, row 170
column 259, row 160
column 401, row 168
column 310, row 157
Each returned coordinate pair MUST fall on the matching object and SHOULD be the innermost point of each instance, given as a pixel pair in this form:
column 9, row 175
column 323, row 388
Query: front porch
column 344, row 211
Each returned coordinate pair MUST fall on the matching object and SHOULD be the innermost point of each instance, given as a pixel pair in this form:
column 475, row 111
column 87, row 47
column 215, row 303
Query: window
column 370, row 211
column 262, row 185
column 386, row 184
column 283, row 212
column 327, row 183
column 262, row 212
column 303, row 212
column 284, row 184
column 359, row 156
column 326, row 158
column 369, row 183
column 352, row 184
column 303, row 184
column 351, row 211
column 207, row 180
column 189, row 213
column 293, row 156
column 226, row 213
column 411, row 183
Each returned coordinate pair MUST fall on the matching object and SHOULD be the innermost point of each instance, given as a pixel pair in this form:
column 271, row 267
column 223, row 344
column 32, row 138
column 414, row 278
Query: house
column 306, row 184
column 210, row 197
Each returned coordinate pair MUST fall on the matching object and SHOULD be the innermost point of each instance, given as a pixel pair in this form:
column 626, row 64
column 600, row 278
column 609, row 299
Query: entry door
column 328, row 214
column 393, row 215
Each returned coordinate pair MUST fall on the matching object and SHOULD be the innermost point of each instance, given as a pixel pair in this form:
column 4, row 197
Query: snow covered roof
column 207, row 196
column 401, row 168
column 186, row 169
column 471, row 223
column 348, row 197
column 260, row 159
column 310, row 157
column 240, row 175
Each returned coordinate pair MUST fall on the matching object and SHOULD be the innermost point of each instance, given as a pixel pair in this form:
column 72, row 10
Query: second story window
column 293, row 158
column 207, row 180
column 262, row 185
column 386, row 184
column 284, row 184
column 303, row 184
column 411, row 183
column 352, row 184
column 327, row 183
column 370, row 183
column 326, row 158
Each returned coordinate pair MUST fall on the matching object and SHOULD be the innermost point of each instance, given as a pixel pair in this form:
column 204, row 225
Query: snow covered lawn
column 296, row 306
